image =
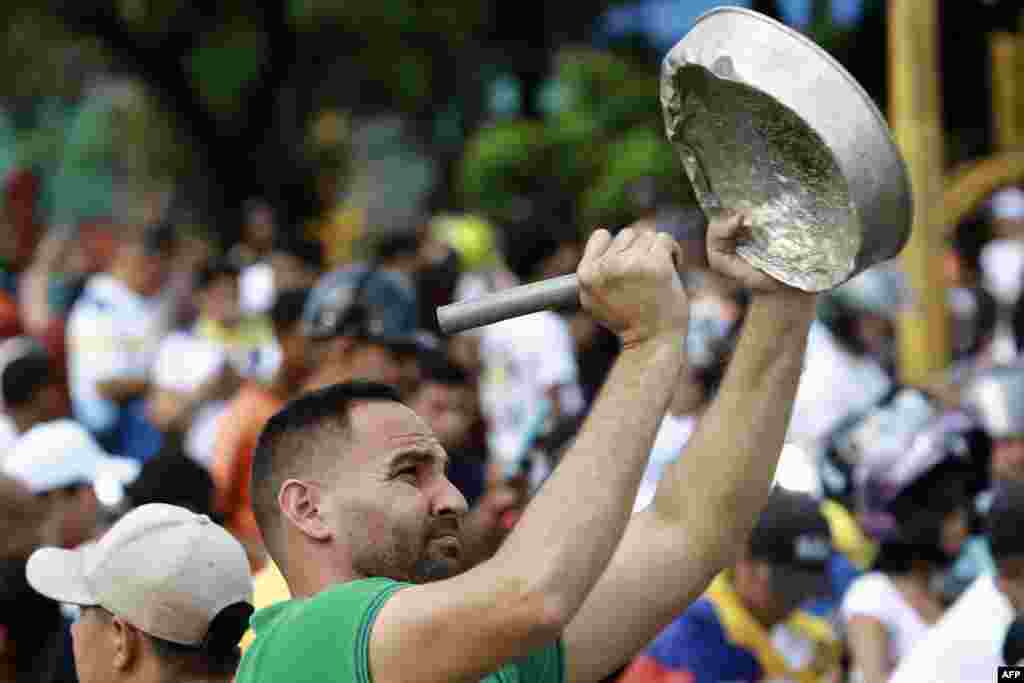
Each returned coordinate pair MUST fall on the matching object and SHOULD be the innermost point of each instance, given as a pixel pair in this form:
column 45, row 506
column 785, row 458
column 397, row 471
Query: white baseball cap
column 61, row 453
column 167, row 571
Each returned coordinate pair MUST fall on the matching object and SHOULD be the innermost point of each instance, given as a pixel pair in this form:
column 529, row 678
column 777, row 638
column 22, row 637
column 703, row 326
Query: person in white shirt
column 113, row 334
column 966, row 645
column 716, row 316
column 530, row 378
column 294, row 263
column 197, row 370
column 913, row 495
column 850, row 355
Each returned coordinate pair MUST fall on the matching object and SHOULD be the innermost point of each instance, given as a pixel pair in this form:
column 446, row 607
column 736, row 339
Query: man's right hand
column 631, row 285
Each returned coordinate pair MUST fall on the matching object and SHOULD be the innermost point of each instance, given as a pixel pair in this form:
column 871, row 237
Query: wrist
column 666, row 344
column 789, row 307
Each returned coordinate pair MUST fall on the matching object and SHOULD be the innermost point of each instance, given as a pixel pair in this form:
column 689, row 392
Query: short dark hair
column 288, row 307
column 1004, row 520
column 185, row 658
column 396, row 245
column 218, row 656
column 309, row 252
column 214, row 270
column 22, row 378
column 437, row 368
column 282, row 450
column 173, row 478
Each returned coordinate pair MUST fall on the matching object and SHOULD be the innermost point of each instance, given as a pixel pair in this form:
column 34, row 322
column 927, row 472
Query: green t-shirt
column 326, row 638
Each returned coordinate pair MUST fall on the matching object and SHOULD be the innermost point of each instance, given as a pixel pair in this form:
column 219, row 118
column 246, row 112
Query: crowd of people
column 191, row 437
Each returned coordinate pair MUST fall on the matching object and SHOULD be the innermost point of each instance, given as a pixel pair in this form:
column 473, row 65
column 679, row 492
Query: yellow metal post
column 914, row 113
column 1006, row 54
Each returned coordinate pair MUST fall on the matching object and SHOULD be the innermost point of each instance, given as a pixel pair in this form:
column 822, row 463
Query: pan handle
column 557, row 292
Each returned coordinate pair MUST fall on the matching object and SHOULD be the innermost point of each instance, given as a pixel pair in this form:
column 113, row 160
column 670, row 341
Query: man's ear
column 127, row 641
column 300, row 501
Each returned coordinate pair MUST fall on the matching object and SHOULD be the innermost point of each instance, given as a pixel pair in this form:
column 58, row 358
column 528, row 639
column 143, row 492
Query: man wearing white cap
column 165, row 596
column 61, row 463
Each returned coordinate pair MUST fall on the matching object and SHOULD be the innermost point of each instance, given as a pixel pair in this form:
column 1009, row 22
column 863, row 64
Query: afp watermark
column 1010, row 673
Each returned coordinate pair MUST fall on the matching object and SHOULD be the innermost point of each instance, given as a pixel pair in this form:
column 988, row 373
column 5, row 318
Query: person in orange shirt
column 10, row 321
column 243, row 420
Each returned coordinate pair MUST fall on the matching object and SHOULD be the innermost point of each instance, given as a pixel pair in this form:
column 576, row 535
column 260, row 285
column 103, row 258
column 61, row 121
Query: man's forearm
column 121, row 390
column 715, row 492
column 571, row 528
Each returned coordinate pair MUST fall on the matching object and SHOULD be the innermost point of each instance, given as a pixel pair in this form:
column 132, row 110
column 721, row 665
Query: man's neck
column 124, row 276
column 23, row 420
column 319, row 569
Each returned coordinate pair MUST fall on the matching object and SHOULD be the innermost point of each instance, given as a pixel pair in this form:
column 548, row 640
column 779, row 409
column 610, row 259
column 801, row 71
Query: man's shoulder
column 325, row 634
column 349, row 601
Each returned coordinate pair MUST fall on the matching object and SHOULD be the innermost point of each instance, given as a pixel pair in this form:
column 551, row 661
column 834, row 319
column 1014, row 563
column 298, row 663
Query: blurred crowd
column 139, row 364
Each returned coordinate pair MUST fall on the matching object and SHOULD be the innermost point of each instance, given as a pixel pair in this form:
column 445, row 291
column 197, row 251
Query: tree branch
column 259, row 97
column 166, row 77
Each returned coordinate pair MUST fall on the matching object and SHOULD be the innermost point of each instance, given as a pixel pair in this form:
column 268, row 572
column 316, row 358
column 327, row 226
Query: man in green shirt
column 350, row 493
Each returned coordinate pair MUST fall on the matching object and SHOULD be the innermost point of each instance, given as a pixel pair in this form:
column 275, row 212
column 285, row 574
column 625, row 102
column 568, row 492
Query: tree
column 241, row 83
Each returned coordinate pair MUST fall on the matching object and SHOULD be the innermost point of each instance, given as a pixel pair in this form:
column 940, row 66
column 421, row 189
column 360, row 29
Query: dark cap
column 215, row 269
column 368, row 304
column 288, row 307
column 792, row 531
column 1005, row 520
column 309, row 252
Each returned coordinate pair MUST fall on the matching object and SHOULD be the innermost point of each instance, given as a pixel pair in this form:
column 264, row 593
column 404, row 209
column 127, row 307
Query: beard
column 417, row 557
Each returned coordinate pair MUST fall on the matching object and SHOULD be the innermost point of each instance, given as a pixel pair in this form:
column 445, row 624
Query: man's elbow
column 108, row 391
column 119, row 391
column 539, row 616
column 554, row 615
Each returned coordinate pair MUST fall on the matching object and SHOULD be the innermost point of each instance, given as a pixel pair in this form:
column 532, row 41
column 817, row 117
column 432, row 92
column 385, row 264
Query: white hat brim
column 59, row 575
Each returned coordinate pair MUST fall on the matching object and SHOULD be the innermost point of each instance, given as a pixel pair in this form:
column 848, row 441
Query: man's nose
column 450, row 500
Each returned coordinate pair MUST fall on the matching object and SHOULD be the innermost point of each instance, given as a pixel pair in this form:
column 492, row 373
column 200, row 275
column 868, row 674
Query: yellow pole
column 1006, row 54
column 924, row 345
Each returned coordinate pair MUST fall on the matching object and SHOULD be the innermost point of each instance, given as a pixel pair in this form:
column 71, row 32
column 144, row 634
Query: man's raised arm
column 523, row 597
column 709, row 499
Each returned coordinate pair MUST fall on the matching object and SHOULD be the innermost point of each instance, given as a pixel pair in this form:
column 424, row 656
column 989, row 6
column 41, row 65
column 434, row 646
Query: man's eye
column 406, row 472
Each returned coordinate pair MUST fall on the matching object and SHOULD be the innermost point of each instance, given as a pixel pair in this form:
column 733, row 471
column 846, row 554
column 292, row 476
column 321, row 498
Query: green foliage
column 148, row 144
column 503, row 162
column 452, row 22
column 614, row 92
column 639, row 152
column 39, row 58
column 606, row 134
column 225, row 62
